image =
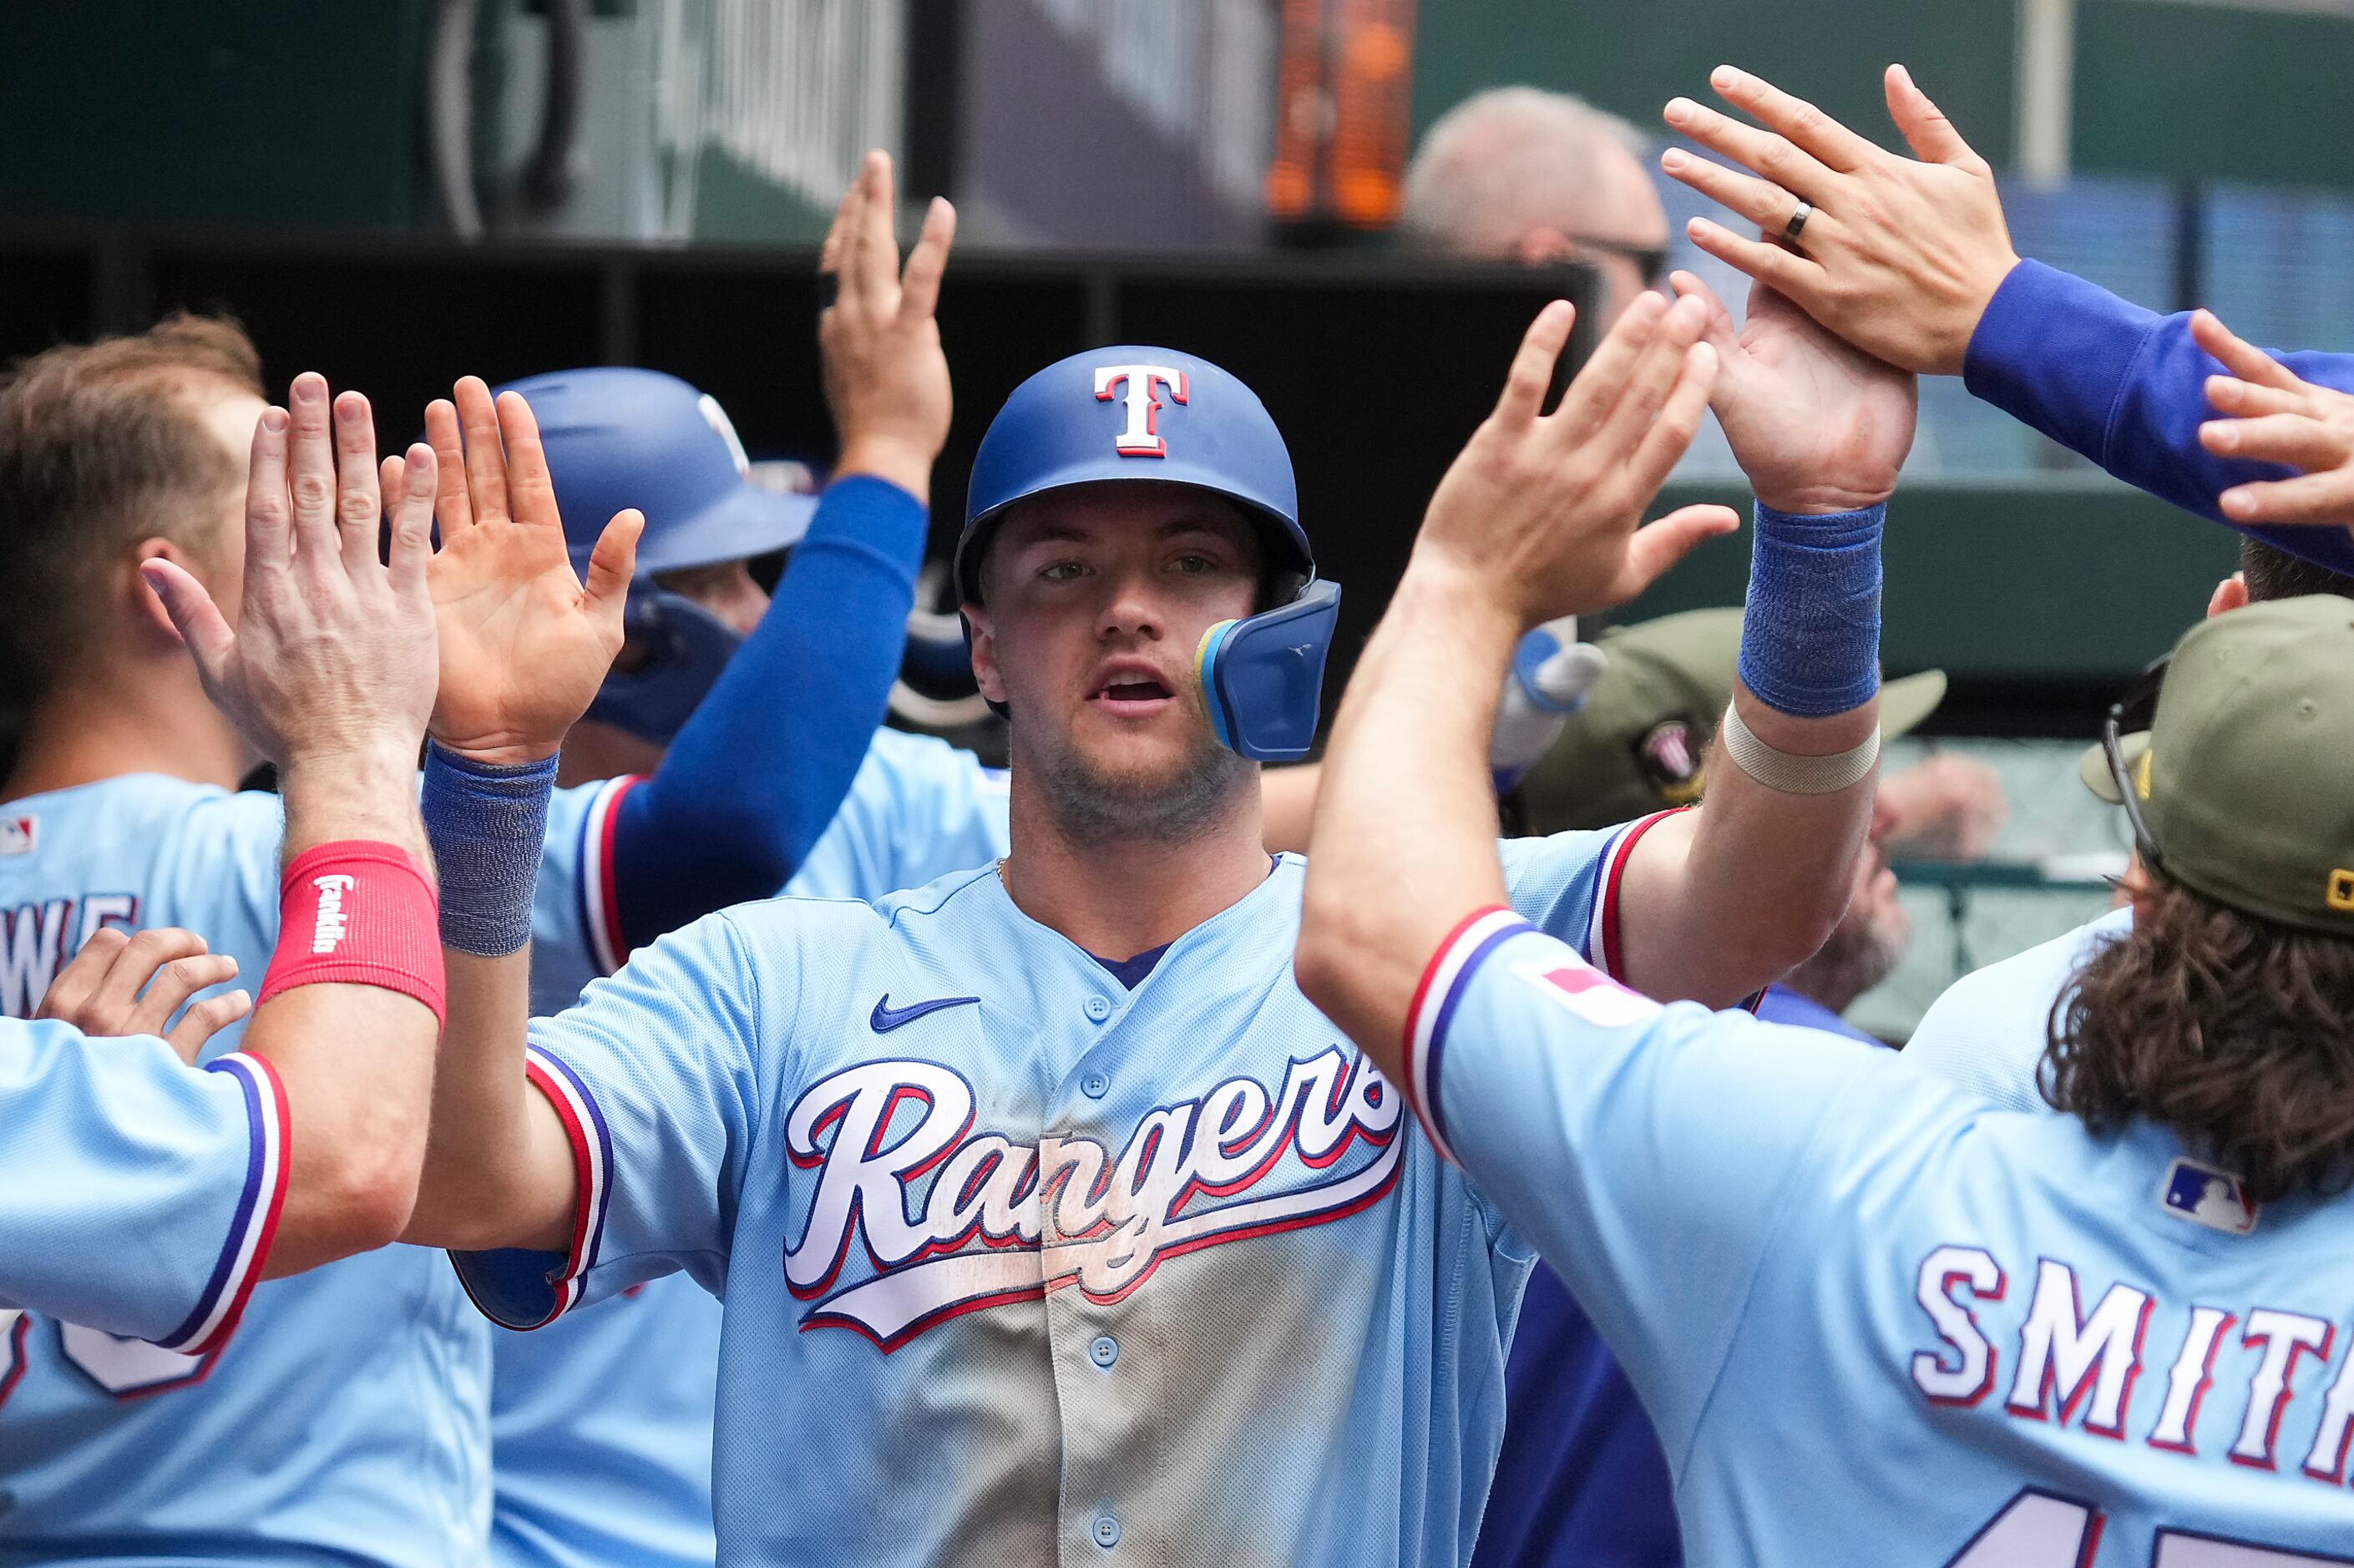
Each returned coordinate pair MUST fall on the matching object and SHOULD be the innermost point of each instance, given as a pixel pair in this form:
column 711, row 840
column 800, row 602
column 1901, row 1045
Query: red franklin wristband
column 356, row 912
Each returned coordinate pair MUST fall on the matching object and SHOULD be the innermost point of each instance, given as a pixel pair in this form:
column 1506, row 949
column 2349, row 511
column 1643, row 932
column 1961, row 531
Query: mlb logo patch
column 1589, row 993
column 17, row 835
column 2206, row 1196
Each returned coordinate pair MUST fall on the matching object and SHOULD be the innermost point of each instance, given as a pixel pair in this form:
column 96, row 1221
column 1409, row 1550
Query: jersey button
column 1094, row 1086
column 1103, row 1349
column 1107, row 1531
column 1099, row 1008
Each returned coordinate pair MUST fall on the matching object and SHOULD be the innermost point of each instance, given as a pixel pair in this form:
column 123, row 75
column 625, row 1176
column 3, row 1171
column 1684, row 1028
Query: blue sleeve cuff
column 2053, row 351
column 2127, row 388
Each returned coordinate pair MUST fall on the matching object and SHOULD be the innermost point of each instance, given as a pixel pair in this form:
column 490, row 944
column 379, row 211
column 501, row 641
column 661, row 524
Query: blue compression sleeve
column 2127, row 388
column 760, row 768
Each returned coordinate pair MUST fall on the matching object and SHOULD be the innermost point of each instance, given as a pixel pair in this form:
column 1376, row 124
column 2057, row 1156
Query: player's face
column 1099, row 597
column 726, row 588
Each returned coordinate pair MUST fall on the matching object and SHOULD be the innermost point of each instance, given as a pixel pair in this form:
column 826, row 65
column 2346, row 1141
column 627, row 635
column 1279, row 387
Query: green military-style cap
column 1640, row 743
column 2244, row 779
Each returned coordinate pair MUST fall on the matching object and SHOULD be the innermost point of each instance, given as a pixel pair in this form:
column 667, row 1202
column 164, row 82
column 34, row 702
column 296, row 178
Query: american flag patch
column 1589, row 993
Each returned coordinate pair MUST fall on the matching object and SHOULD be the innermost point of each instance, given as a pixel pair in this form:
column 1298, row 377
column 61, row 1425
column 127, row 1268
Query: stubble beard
column 1093, row 805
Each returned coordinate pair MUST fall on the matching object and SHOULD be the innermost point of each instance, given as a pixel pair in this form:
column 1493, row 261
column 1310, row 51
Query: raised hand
column 1899, row 255
column 2274, row 416
column 525, row 643
column 334, row 655
column 1542, row 507
column 126, row 984
column 887, row 380
column 1818, row 425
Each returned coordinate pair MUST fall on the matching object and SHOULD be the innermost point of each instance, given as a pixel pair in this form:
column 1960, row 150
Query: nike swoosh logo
column 885, row 1017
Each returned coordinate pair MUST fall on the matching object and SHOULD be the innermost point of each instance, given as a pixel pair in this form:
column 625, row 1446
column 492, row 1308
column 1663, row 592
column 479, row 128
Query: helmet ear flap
column 1262, row 678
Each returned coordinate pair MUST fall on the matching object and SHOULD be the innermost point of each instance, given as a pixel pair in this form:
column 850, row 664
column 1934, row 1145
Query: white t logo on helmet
column 1141, row 436
column 716, row 418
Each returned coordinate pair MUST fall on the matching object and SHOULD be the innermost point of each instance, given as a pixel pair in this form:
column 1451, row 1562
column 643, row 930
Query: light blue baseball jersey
column 347, row 1419
column 137, row 1195
column 1023, row 1265
column 1877, row 1320
column 600, row 1423
column 1988, row 1030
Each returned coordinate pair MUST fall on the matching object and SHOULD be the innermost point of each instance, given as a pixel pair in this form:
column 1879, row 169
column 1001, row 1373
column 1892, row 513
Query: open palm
column 525, row 643
column 1818, row 425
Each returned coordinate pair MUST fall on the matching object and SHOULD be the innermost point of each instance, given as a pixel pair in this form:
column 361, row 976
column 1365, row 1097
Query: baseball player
column 1909, row 258
column 600, row 1424
column 1580, row 1478
column 1044, row 1180
column 142, row 1198
column 1874, row 1319
column 1988, row 1030
column 121, row 783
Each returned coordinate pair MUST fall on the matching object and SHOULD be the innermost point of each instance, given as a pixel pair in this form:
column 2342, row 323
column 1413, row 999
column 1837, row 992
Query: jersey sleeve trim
column 592, row 1162
column 259, row 1204
column 1603, row 948
column 601, row 913
column 1476, row 936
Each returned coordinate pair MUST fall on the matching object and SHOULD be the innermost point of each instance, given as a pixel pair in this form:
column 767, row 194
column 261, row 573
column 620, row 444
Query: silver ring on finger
column 1790, row 230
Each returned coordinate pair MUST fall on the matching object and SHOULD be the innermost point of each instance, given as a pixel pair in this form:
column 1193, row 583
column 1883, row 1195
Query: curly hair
column 2234, row 1030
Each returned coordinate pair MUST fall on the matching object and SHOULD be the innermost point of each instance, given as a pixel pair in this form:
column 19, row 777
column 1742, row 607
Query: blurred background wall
column 398, row 191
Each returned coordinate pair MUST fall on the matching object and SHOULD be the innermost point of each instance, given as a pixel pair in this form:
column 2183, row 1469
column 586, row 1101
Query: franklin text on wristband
column 356, row 912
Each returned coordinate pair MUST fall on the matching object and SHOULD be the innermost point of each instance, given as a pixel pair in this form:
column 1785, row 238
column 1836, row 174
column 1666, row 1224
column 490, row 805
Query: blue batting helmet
column 1131, row 413
column 618, row 436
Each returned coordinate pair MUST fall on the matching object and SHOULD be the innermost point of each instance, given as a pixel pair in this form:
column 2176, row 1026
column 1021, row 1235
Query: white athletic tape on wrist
column 1787, row 772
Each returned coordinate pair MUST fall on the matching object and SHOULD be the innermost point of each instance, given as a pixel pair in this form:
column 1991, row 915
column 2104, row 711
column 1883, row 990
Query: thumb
column 1926, row 130
column 612, row 562
column 1656, row 547
column 194, row 616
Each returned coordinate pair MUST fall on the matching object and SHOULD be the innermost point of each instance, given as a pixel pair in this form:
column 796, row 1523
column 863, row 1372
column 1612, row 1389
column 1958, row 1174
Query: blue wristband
column 486, row 825
column 1810, row 630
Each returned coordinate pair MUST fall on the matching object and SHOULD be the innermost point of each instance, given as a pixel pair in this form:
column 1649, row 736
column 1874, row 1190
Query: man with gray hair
column 1521, row 174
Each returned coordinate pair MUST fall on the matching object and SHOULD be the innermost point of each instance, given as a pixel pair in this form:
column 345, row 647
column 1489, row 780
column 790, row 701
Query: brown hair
column 101, row 447
column 2235, row 1031
column 2272, row 572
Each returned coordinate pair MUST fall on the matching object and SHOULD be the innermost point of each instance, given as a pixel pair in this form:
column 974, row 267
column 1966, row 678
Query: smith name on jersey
column 1160, row 1266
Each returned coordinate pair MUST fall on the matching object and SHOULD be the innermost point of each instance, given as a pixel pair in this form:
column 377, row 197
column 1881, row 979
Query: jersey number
column 127, row 1369
column 2040, row 1530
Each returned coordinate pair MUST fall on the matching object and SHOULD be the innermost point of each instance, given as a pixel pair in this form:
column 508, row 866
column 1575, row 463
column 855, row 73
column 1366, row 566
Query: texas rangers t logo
column 1141, row 436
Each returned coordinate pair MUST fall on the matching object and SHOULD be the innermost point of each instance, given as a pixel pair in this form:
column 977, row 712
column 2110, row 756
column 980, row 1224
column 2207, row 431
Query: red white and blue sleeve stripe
column 600, row 914
column 254, row 1224
column 592, row 1163
column 1444, row 981
column 1603, row 948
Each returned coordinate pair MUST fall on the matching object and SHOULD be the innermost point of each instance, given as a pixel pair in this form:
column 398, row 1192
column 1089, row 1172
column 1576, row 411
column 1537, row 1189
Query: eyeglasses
column 2132, row 714
column 1650, row 261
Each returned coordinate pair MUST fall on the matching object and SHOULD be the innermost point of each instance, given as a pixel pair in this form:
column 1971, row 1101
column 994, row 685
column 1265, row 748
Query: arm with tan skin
column 1536, row 518
column 329, row 672
column 1910, row 259
column 499, row 1172
column 1723, row 899
column 525, row 646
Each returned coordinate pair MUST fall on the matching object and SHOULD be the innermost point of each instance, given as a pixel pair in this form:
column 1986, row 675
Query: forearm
column 355, row 1060
column 757, row 774
column 1719, row 902
column 1410, row 745
column 497, row 1171
column 1738, row 892
column 487, row 1179
column 2127, row 388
